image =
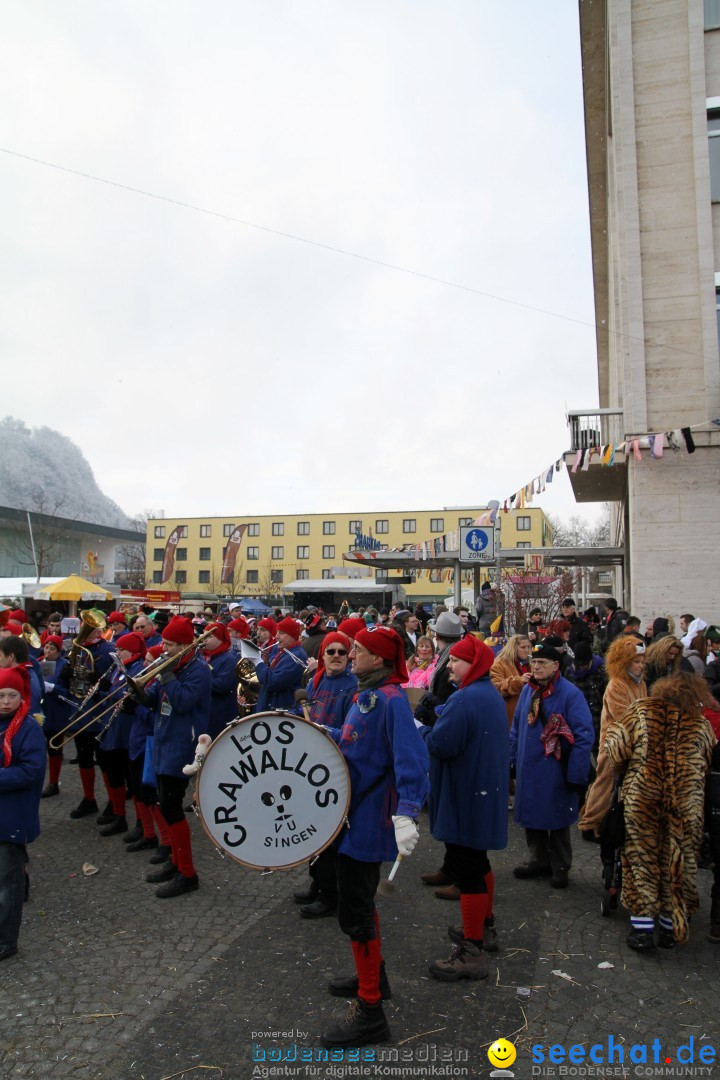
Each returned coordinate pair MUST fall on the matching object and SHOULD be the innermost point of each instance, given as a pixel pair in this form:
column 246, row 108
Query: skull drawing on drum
column 273, row 791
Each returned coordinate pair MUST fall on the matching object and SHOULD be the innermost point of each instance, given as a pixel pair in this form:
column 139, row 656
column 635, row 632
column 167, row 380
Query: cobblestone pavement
column 113, row 984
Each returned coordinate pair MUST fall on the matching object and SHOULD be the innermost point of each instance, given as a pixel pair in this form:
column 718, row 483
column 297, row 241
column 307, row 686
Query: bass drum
column 273, row 791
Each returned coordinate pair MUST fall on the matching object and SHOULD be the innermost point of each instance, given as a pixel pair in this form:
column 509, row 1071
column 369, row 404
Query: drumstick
column 387, row 887
column 301, row 699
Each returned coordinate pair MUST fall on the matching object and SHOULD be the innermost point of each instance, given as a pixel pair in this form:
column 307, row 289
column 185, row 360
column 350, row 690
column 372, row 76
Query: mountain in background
column 45, row 472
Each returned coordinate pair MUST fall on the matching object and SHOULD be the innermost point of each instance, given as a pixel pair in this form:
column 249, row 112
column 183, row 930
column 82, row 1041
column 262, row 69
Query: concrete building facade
column 651, row 81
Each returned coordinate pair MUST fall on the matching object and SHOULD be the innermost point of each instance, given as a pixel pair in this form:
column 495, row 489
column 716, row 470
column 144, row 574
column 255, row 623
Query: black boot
column 136, row 833
column 107, row 815
column 319, row 909
column 363, row 1024
column 347, row 986
column 143, row 844
column 162, row 854
column 50, row 790
column 84, row 807
column 166, row 874
column 641, row 940
column 306, row 896
column 117, row 825
column 177, row 886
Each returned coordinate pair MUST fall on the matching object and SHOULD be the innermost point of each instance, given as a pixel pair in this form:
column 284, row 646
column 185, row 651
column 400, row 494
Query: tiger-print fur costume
column 667, row 758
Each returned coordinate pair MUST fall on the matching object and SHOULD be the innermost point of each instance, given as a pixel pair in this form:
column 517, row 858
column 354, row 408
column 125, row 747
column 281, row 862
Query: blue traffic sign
column 477, row 544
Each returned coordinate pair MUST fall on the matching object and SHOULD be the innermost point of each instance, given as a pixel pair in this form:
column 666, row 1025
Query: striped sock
column 645, row 926
column 666, row 922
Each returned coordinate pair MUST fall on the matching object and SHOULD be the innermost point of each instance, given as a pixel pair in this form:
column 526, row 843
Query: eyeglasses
column 336, row 652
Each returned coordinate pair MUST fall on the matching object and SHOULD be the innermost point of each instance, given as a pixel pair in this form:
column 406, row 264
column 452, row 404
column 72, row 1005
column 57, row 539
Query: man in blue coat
column 22, row 770
column 222, row 660
column 183, row 713
column 280, row 675
column 388, row 764
column 550, row 743
column 469, row 781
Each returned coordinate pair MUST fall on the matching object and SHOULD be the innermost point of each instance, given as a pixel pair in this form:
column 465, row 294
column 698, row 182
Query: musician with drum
column 280, row 673
column 183, row 713
column 220, row 658
column 388, row 766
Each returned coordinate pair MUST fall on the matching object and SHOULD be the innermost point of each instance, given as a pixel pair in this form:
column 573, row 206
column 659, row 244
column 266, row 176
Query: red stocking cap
column 154, row 651
column 335, row 638
column 54, row 639
column 179, row 630
column 223, row 634
column 241, row 626
column 269, row 624
column 477, row 654
column 14, row 627
column 351, row 626
column 18, row 615
column 289, row 626
column 385, row 642
column 16, row 678
column 117, row 617
column 132, row 643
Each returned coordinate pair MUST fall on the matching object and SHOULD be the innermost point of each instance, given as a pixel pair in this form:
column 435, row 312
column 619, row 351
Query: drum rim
column 285, row 714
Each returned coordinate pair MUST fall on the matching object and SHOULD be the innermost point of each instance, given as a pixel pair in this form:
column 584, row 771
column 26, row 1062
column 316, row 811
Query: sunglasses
column 336, row 652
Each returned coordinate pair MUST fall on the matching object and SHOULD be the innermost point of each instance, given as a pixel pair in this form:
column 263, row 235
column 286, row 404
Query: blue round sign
column 477, row 539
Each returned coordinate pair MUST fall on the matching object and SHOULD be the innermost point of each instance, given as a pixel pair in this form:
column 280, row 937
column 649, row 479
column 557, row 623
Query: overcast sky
column 210, row 367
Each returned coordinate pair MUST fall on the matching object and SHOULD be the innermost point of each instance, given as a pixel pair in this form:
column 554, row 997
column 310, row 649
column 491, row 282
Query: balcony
column 595, row 428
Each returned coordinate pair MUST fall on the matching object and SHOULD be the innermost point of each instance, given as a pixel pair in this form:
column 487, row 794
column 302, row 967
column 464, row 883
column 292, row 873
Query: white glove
column 406, row 834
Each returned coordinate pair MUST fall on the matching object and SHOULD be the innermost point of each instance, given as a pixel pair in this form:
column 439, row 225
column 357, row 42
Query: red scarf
column 221, row 632
column 540, row 692
column 17, row 678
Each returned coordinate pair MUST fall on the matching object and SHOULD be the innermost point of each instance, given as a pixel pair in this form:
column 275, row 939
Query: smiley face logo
column 502, row 1054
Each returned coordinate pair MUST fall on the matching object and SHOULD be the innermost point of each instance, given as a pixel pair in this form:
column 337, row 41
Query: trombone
column 135, row 689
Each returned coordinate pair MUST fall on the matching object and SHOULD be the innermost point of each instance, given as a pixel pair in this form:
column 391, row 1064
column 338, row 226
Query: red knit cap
column 117, row 616
column 179, row 630
column 385, row 642
column 480, row 657
column 16, row 678
column 14, row 627
column 54, row 639
column 351, row 626
column 18, row 615
column 334, row 638
column 269, row 624
column 289, row 626
column 222, row 633
column 240, row 626
column 154, row 651
column 132, row 643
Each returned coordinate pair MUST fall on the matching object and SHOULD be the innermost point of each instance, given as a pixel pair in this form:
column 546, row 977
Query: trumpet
column 135, row 689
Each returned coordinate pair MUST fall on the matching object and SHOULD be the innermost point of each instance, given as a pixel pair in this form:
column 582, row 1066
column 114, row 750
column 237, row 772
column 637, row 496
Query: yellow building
column 276, row 550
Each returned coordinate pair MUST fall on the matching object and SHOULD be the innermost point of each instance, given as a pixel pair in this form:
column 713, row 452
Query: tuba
column 31, row 635
column 248, row 690
column 80, row 658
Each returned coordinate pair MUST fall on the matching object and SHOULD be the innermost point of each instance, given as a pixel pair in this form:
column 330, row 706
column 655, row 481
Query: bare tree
column 33, row 542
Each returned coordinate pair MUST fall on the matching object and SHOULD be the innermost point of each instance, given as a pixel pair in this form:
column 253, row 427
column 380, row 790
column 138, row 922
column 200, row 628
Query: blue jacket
column 542, row 798
column 329, row 702
column 117, row 736
column 470, row 768
column 279, row 683
column 143, row 722
column 57, row 712
column 388, row 767
column 21, row 782
column 223, row 704
column 183, row 713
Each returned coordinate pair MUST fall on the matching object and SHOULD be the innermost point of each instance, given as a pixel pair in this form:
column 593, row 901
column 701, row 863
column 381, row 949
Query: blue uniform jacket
column 143, row 722
column 183, row 713
column 330, row 702
column 388, row 766
column 542, row 798
column 278, row 684
column 223, row 704
column 57, row 712
column 21, row 782
column 470, row 768
column 117, row 736
column 37, row 688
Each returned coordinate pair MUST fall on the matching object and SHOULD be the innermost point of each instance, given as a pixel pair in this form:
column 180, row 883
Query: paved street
column 113, row 984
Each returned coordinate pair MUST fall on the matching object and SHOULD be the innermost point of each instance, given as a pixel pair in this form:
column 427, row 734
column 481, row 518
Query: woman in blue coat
column 469, row 781
column 58, row 709
column 281, row 674
column 221, row 659
column 550, row 743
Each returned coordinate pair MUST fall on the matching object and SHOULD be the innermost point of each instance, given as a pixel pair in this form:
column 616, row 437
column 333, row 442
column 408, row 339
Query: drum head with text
column 273, row 791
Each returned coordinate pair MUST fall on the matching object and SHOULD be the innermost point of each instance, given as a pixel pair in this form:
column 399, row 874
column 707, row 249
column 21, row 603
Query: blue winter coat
column 330, row 701
column 388, row 767
column 279, row 683
column 143, row 722
column 183, row 713
column 223, row 704
column 542, row 798
column 57, row 712
column 470, row 768
column 21, row 782
column 117, row 736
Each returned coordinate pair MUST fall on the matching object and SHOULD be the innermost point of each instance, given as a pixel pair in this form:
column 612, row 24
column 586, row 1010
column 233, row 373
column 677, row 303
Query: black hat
column 546, row 651
column 568, row 602
column 583, row 652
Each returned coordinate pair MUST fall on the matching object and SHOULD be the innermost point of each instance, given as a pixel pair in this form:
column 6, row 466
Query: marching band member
column 143, row 724
column 117, row 622
column 14, row 652
column 57, row 712
column 266, row 632
column 388, row 766
column 221, row 660
column 53, row 627
column 183, row 713
column 114, row 740
column 280, row 674
column 330, row 696
column 239, row 630
column 22, row 769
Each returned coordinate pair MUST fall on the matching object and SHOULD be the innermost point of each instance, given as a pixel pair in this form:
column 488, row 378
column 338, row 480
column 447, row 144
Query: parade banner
column 231, row 553
column 169, row 557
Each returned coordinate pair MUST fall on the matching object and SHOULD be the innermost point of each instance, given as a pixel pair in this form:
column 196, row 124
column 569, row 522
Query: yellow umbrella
column 73, row 588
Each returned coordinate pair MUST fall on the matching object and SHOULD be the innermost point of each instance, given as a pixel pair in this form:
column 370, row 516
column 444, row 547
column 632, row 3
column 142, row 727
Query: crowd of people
column 559, row 722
